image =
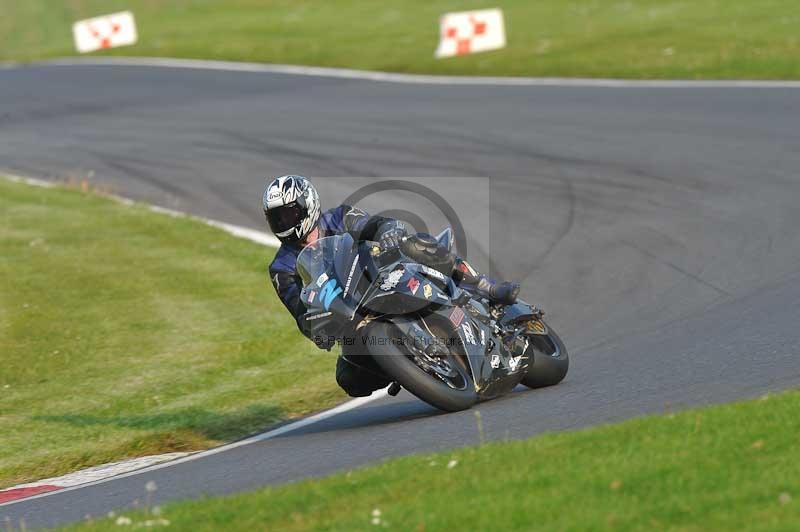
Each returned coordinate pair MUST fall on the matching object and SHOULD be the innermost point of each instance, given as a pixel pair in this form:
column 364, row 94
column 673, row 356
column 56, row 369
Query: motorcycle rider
column 293, row 211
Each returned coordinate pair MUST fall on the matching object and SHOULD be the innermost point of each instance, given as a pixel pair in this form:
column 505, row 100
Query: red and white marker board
column 467, row 32
column 108, row 31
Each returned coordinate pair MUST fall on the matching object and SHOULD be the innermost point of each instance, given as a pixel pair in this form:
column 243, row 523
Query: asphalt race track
column 657, row 226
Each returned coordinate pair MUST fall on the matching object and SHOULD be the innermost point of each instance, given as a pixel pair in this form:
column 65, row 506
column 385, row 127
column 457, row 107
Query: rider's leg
column 500, row 292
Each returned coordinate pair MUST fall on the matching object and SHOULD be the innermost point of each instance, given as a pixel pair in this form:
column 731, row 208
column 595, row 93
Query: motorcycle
column 401, row 308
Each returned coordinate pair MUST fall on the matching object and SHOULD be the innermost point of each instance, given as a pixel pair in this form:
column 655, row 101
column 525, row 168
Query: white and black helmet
column 291, row 205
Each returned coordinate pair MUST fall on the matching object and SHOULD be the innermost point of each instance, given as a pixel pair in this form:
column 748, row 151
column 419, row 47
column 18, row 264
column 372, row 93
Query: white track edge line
column 259, row 237
column 241, row 232
column 391, row 77
column 300, row 423
column 109, row 469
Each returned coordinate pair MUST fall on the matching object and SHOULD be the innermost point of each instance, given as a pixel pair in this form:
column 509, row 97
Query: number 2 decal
column 329, row 293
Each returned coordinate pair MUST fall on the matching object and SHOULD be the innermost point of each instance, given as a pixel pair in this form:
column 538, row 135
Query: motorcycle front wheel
column 443, row 381
column 550, row 360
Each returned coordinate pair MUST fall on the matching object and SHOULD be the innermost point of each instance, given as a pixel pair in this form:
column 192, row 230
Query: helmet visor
column 285, row 218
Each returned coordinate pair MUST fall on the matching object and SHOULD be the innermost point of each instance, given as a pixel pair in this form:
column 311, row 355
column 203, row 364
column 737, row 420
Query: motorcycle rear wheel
column 395, row 359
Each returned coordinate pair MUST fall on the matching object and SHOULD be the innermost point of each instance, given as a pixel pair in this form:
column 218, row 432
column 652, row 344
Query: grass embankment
column 599, row 38
column 125, row 333
column 730, row 467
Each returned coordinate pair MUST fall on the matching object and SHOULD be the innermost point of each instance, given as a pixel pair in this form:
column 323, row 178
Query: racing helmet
column 291, row 206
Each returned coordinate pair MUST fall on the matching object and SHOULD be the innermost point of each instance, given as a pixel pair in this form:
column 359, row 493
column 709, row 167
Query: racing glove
column 391, row 233
column 324, row 342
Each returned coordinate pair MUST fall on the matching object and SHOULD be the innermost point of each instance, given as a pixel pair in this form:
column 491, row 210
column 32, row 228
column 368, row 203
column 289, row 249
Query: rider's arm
column 288, row 286
column 365, row 227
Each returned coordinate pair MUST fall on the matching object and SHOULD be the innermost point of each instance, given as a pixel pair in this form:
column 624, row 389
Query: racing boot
column 504, row 293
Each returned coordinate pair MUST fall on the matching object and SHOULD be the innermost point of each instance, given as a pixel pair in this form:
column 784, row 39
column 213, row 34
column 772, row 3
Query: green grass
column 730, row 467
column 617, row 38
column 125, row 333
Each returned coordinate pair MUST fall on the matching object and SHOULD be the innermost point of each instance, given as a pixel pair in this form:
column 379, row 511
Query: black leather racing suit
column 355, row 373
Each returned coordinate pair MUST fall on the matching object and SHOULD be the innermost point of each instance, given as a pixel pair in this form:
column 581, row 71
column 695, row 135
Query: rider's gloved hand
column 391, row 236
column 324, row 342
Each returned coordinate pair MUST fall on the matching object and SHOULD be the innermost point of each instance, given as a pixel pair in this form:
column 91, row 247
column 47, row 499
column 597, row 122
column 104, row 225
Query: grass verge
column 729, row 467
column 596, row 38
column 125, row 333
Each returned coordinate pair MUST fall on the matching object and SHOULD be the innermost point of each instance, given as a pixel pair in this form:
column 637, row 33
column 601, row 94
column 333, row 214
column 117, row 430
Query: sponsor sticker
column 413, row 285
column 329, row 293
column 318, row 316
column 483, row 337
column 430, row 272
column 513, row 362
column 350, row 276
column 391, row 280
column 466, row 268
column 427, row 291
column 355, row 212
column 457, row 316
column 495, row 362
column 469, row 336
column 321, row 279
column 311, row 295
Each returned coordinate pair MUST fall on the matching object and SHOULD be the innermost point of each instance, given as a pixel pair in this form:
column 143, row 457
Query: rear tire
column 550, row 361
column 394, row 361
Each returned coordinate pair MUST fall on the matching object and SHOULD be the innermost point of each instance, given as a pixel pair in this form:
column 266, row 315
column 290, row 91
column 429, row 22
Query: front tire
column 550, row 361
column 396, row 363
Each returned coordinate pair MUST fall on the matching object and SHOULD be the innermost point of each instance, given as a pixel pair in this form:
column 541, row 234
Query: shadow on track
column 385, row 412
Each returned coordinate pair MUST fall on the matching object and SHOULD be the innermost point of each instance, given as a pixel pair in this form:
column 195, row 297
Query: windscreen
column 324, row 256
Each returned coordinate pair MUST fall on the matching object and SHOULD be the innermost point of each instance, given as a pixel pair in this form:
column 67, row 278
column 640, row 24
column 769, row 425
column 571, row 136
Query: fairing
column 353, row 280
